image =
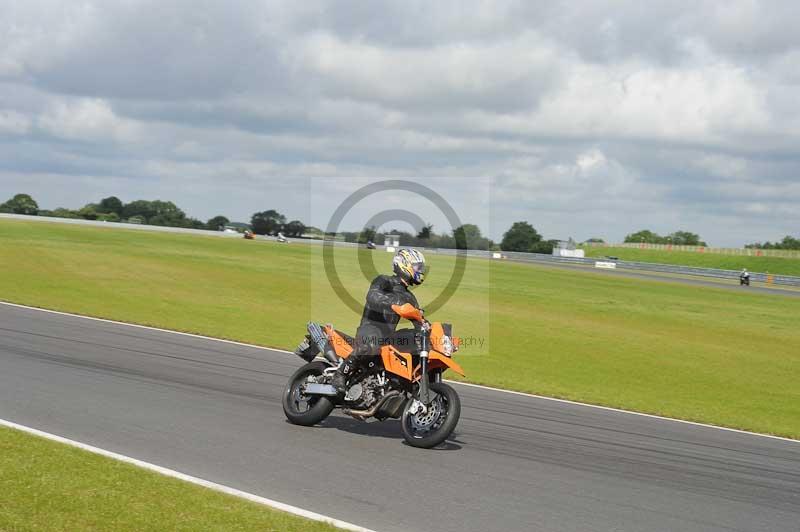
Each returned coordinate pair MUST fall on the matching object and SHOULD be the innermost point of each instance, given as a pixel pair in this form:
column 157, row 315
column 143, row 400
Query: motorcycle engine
column 366, row 391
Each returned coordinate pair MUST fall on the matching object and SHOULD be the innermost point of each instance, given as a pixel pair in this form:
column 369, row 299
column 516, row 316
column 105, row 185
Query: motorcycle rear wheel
column 301, row 409
column 435, row 426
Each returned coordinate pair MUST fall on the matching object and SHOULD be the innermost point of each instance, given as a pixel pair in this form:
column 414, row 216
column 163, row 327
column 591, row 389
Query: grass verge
column 774, row 265
column 47, row 485
column 701, row 354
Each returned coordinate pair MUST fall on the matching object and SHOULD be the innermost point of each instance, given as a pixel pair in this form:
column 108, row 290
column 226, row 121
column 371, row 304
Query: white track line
column 524, row 394
column 188, row 478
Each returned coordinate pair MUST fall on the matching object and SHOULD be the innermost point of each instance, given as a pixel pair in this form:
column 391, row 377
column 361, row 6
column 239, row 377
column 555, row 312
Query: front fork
column 425, row 381
column 424, row 378
column 424, row 384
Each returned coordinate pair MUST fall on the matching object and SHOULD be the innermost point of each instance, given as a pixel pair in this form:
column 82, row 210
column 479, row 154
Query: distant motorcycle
column 249, row 235
column 370, row 245
column 281, row 238
column 744, row 278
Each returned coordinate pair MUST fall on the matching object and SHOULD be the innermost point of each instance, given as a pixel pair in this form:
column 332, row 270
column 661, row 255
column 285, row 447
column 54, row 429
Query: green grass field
column 774, row 265
column 703, row 354
column 47, row 486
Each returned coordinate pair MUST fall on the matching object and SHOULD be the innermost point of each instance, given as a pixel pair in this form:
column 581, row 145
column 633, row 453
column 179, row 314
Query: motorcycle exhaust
column 369, row 412
column 322, row 343
column 320, row 389
column 307, row 350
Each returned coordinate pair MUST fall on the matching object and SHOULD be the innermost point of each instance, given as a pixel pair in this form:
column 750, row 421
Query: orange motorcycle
column 404, row 382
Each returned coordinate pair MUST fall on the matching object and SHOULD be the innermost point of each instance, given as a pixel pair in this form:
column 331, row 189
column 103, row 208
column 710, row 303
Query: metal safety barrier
column 767, row 278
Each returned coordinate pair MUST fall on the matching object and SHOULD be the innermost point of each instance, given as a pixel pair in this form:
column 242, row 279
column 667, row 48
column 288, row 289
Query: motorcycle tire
column 317, row 407
column 431, row 429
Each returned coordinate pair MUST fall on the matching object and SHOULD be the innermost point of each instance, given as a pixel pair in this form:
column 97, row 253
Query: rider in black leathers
column 379, row 321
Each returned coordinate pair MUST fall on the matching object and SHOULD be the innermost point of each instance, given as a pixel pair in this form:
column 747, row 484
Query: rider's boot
column 339, row 380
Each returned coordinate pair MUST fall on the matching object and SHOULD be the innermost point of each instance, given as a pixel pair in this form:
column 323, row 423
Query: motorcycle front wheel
column 303, row 409
column 431, row 428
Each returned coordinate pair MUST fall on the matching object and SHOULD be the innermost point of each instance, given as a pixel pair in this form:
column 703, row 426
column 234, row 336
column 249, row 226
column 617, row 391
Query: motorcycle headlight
column 447, row 346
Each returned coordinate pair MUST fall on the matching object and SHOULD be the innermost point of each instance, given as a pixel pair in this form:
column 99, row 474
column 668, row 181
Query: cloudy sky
column 584, row 118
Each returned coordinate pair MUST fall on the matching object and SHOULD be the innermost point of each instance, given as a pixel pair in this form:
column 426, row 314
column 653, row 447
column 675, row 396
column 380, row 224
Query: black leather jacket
column 384, row 292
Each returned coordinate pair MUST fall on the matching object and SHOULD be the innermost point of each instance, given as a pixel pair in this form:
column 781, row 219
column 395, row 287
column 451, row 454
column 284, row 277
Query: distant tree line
column 521, row 236
column 20, row 204
column 272, row 222
column 155, row 212
column 112, row 209
column 678, row 238
column 788, row 242
column 466, row 236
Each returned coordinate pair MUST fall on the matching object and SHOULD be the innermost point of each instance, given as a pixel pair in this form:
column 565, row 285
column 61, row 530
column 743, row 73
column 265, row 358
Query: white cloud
column 14, row 123
column 724, row 166
column 87, row 120
column 34, row 33
column 495, row 75
column 586, row 115
column 706, row 104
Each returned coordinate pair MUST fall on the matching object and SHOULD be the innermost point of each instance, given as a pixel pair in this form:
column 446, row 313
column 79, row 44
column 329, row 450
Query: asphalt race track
column 212, row 410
